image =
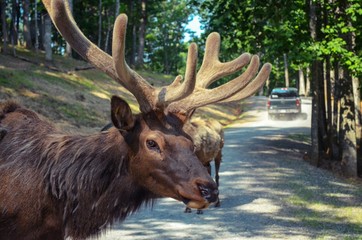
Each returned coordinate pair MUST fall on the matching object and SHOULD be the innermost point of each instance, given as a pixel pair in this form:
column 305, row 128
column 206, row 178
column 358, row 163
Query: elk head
column 162, row 157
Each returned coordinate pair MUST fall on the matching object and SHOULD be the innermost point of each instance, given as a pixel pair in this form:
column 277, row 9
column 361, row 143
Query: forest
column 313, row 45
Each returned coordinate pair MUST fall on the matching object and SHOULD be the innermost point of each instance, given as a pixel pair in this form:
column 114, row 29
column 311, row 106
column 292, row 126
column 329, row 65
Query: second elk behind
column 208, row 138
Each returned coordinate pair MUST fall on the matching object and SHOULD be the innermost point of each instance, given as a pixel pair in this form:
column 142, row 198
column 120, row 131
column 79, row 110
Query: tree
column 36, row 30
column 4, row 25
column 26, row 29
column 68, row 48
column 14, row 25
column 315, row 75
column 141, row 34
column 100, row 22
column 47, row 37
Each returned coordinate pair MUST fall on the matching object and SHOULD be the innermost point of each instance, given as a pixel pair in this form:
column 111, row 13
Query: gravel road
column 262, row 170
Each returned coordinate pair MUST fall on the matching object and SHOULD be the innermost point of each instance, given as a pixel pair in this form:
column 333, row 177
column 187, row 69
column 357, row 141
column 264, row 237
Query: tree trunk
column 117, row 8
column 134, row 46
column 351, row 42
column 348, row 128
column 4, row 26
column 36, row 26
column 132, row 56
column 315, row 153
column 99, row 23
column 357, row 110
column 301, row 82
column 26, row 28
column 48, row 37
column 109, row 30
column 68, row 48
column 307, row 83
column 141, row 34
column 336, row 106
column 13, row 29
column 286, row 73
column 329, row 110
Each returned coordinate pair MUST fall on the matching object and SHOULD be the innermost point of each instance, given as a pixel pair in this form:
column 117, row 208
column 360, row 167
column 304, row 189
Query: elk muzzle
column 204, row 194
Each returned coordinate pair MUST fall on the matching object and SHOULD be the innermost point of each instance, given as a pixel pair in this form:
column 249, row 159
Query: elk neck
column 86, row 175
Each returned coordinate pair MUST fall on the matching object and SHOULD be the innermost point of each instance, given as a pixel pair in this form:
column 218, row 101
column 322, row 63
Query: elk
column 208, row 138
column 56, row 185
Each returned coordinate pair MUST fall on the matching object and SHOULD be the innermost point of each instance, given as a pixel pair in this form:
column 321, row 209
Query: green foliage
column 165, row 36
column 266, row 28
column 272, row 28
column 334, row 38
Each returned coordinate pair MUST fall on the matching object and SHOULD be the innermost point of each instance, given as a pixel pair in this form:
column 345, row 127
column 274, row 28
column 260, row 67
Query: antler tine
column 253, row 86
column 177, row 90
column 147, row 96
column 140, row 88
column 212, row 69
column 181, row 91
column 202, row 96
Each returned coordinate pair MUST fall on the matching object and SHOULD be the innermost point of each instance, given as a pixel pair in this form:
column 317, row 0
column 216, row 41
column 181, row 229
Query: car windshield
column 284, row 93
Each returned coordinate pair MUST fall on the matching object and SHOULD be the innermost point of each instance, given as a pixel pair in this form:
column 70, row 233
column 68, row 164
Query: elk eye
column 152, row 145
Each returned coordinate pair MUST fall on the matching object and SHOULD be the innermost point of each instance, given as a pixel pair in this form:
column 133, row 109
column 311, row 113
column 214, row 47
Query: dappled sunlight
column 102, row 95
column 271, row 152
column 338, row 195
column 29, row 94
column 50, row 73
column 351, row 214
column 344, row 185
column 260, row 206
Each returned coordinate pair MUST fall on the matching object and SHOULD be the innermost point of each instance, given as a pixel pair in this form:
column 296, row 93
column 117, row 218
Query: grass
column 326, row 205
column 300, row 138
column 15, row 80
column 318, row 208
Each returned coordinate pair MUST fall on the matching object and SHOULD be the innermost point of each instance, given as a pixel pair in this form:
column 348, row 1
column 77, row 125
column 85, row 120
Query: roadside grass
column 326, row 205
column 301, row 138
column 14, row 79
column 324, row 209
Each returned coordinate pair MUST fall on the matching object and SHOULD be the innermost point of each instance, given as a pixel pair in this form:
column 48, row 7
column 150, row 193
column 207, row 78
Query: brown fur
column 55, row 185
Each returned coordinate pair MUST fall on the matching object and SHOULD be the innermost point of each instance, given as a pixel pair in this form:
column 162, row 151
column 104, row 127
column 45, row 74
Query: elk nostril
column 204, row 192
column 209, row 194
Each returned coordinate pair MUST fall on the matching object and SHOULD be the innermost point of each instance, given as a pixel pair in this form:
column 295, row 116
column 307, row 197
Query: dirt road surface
column 262, row 167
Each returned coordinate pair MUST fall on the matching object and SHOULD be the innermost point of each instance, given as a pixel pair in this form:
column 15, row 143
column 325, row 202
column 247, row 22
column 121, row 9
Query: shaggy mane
column 85, row 176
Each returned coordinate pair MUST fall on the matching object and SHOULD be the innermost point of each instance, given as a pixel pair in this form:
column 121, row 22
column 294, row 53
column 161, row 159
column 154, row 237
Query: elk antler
column 212, row 69
column 136, row 84
column 180, row 97
column 148, row 97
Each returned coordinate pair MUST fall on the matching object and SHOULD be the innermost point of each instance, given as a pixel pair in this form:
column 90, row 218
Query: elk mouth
column 204, row 197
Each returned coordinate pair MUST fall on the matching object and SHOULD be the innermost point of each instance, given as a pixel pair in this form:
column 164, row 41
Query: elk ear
column 121, row 114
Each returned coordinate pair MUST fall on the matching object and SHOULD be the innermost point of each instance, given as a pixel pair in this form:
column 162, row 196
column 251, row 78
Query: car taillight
column 297, row 102
column 268, row 104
